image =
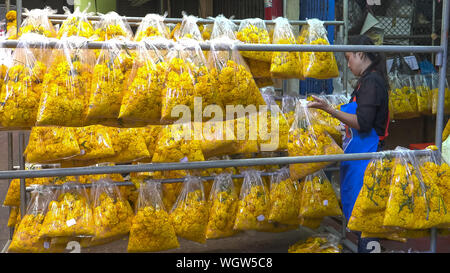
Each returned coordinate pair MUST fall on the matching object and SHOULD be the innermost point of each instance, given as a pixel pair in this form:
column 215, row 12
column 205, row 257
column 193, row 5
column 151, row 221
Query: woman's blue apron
column 352, row 172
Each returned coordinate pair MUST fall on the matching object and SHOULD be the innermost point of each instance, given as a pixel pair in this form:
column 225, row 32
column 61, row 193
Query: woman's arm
column 349, row 119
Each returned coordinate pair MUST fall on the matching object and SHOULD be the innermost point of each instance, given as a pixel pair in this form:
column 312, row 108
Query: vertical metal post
column 10, row 167
column 8, row 5
column 23, row 196
column 433, row 29
column 345, row 18
column 19, row 14
column 441, row 93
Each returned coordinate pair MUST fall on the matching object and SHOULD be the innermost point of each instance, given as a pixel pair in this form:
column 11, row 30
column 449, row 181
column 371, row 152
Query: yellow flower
column 76, row 25
column 284, row 200
column 404, row 102
column 14, row 217
column 94, row 142
column 435, row 93
column 12, row 197
column 253, row 31
column 317, row 244
column 319, row 65
column 258, row 69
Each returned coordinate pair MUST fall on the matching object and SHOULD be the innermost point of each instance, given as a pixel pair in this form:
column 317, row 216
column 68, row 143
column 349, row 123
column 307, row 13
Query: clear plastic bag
column 318, row 198
column 307, row 137
column 11, row 25
column 64, row 100
column 258, row 69
column 214, row 139
column 191, row 212
column 170, row 191
column 205, row 30
column 424, row 94
column 112, row 26
column 26, row 237
column 188, row 29
column 107, row 84
column 141, row 103
column 151, row 135
column 128, row 144
column 152, row 229
column 177, row 144
column 403, row 97
column 312, row 223
column 320, row 243
column 223, row 27
column 285, row 65
column 284, row 198
column 69, row 213
column 94, row 142
column 435, row 92
column 246, row 134
column 232, row 79
column 47, row 144
column 414, row 201
column 152, row 25
column 113, row 214
column 254, row 31
column 288, row 105
column 37, row 21
column 188, row 77
column 331, row 125
column 318, row 65
column 254, row 203
column 223, row 201
column 76, row 24
column 22, row 88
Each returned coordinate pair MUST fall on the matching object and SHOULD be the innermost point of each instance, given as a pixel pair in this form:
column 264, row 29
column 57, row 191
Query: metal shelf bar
column 195, row 165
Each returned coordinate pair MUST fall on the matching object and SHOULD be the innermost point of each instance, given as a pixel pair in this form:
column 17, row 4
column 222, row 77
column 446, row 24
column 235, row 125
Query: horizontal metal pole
column 179, row 20
column 407, row 36
column 258, row 47
column 195, row 165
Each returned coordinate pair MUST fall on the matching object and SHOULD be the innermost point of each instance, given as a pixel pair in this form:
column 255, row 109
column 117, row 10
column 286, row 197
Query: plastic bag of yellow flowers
column 403, row 97
column 37, row 21
column 22, row 87
column 320, row 243
column 435, row 92
column 223, row 27
column 94, row 142
column 69, row 213
column 47, row 144
column 112, row 213
column 76, row 24
column 424, row 94
column 11, row 24
column 254, row 203
column 223, row 201
column 415, row 201
column 151, row 135
column 64, row 100
column 284, row 198
column 258, row 69
column 141, row 103
column 152, row 25
column 370, row 206
column 306, row 138
column 331, row 125
column 232, row 79
column 190, row 212
column 216, row 138
column 318, row 198
column 318, row 65
column 112, row 26
column 128, row 144
column 26, row 237
column 188, row 76
column 288, row 105
column 254, row 31
column 285, row 65
column 151, row 229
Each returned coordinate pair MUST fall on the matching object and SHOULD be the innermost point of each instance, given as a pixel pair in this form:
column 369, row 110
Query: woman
column 366, row 119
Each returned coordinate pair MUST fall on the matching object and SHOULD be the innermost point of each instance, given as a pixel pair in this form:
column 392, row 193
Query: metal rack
column 441, row 51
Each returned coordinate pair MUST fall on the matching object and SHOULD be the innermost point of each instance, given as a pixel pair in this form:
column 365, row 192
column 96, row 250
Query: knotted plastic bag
column 128, row 144
column 141, row 103
column 76, row 24
column 414, row 202
column 112, row 26
column 320, row 243
column 191, row 212
column 254, row 31
column 223, row 201
column 94, row 142
column 284, row 198
column 232, row 79
column 318, row 65
column 64, row 100
column 152, row 25
column 37, row 21
column 69, row 213
column 26, row 237
column 403, row 97
column 307, row 137
column 285, row 65
column 22, row 88
column 152, row 229
column 223, row 27
column 424, row 94
column 112, row 213
column 318, row 198
column 47, row 144
column 254, row 204
column 188, row 29
column 435, row 92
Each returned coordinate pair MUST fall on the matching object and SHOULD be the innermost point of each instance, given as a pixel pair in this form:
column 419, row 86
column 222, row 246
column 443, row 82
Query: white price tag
column 46, row 245
column 184, row 159
column 412, row 62
column 260, row 218
column 325, row 202
column 71, row 222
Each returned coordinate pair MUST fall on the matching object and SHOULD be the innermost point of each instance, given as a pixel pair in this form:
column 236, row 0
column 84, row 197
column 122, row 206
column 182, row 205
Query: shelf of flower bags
column 196, row 165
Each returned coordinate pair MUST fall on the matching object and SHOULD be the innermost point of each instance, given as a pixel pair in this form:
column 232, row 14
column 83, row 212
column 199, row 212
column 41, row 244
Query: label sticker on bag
column 325, row 202
column 71, row 222
column 46, row 245
column 260, row 218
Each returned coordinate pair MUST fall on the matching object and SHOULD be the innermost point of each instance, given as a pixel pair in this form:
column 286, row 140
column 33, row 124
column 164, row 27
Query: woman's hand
column 319, row 104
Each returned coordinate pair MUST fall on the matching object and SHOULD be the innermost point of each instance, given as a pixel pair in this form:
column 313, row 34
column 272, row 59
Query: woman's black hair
column 378, row 59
